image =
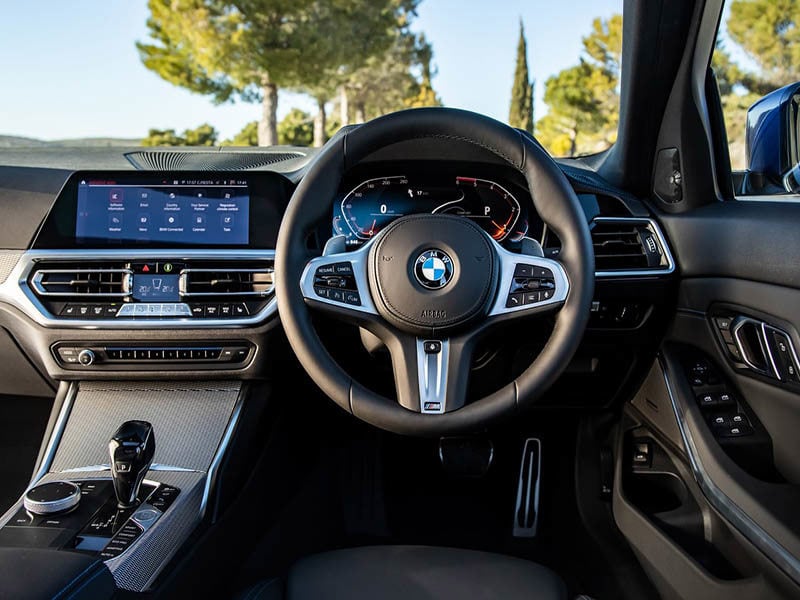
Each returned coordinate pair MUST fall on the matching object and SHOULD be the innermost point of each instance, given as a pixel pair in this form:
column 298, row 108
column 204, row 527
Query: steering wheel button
column 532, row 298
column 321, row 292
column 345, row 268
column 515, row 300
column 546, row 294
column 336, row 295
column 542, row 272
column 326, row 270
column 352, row 298
column 523, row 271
column 432, row 347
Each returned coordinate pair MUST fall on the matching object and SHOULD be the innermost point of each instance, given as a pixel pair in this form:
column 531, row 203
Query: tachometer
column 487, row 203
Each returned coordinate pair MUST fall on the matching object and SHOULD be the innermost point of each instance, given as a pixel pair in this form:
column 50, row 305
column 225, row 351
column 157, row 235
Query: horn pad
column 432, row 272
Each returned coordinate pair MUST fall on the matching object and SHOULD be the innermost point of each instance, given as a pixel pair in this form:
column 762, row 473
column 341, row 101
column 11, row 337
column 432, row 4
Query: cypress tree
column 520, row 114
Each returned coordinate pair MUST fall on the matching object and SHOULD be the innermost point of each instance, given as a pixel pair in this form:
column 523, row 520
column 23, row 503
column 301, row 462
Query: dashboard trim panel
column 17, row 291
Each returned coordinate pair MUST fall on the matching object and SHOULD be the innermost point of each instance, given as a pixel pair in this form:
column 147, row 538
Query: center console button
column 69, row 310
column 211, row 311
column 225, row 310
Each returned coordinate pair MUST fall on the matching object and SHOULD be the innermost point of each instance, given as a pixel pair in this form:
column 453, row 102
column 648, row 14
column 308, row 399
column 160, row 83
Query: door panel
column 740, row 261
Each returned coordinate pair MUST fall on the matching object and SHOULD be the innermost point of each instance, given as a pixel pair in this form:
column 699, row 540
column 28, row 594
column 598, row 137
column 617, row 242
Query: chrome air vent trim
column 651, row 223
column 40, row 284
column 18, row 291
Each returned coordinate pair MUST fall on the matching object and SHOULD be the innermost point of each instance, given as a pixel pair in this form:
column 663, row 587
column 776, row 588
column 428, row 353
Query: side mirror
column 771, row 142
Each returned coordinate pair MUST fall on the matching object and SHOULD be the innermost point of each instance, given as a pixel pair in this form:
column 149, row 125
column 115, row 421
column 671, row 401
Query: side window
column 757, row 66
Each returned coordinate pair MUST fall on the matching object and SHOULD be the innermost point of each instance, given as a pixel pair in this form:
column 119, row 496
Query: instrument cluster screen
column 374, row 203
column 169, row 211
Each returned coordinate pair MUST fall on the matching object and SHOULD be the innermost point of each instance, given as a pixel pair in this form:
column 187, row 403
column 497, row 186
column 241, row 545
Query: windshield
column 261, row 72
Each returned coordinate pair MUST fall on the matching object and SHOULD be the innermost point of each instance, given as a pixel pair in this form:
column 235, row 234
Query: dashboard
column 372, row 198
column 110, row 270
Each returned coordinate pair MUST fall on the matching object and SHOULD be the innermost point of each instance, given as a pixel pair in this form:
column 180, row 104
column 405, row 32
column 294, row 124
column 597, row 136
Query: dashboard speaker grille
column 165, row 160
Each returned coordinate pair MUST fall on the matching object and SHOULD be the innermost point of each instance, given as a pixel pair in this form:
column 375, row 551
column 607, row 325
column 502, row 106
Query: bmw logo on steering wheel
column 433, row 269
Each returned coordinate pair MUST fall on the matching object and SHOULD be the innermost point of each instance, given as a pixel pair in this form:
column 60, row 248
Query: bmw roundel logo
column 433, row 269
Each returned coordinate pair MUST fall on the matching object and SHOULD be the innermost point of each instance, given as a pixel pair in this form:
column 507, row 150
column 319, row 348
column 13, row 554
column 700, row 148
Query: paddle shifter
column 132, row 448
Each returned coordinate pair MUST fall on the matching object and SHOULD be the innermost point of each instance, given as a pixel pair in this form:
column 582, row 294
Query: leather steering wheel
column 429, row 284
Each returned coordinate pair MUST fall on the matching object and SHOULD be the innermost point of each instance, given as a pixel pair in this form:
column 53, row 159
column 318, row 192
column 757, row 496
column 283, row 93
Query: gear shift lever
column 131, row 448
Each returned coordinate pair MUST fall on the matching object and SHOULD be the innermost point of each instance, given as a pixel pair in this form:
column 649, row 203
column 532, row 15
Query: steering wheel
column 429, row 284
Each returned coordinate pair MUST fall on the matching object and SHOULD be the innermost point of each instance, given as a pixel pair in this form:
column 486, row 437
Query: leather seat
column 412, row 573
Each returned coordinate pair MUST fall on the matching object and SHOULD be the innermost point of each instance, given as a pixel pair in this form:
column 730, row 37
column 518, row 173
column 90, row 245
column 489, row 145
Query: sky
column 71, row 69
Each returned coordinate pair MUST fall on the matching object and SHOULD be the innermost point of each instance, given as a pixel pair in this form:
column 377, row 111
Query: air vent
column 254, row 282
column 95, row 282
column 628, row 245
column 176, row 160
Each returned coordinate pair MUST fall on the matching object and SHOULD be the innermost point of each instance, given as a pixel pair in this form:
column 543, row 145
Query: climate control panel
column 191, row 289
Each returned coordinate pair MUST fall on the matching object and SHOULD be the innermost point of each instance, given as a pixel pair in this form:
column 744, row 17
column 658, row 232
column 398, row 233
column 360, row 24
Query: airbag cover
column 432, row 272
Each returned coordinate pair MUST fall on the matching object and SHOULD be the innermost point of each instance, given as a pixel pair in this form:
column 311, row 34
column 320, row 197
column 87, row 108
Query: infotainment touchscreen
column 164, row 211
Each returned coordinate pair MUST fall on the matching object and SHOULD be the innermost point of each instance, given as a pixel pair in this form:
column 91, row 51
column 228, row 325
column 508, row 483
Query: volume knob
column 86, row 357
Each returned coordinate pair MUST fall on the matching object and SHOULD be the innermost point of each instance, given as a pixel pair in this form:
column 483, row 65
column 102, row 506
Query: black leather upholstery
column 37, row 574
column 412, row 573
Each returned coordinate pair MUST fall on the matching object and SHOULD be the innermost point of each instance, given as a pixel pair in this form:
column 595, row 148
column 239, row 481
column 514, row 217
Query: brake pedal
column 526, row 510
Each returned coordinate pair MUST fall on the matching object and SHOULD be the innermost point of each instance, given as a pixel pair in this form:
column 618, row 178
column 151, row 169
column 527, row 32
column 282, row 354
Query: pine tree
column 520, row 114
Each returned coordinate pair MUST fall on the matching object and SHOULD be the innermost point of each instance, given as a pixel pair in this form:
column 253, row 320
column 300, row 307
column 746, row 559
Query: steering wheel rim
column 554, row 201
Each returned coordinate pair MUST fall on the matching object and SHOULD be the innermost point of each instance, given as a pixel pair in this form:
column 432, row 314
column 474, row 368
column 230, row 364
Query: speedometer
column 373, row 204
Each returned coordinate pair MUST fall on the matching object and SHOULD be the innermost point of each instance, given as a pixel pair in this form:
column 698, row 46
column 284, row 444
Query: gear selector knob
column 131, row 448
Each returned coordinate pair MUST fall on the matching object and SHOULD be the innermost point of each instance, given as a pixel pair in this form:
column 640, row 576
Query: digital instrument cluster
column 374, row 203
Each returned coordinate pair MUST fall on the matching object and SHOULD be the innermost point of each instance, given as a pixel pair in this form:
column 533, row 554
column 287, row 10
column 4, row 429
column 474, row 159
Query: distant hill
column 13, row 141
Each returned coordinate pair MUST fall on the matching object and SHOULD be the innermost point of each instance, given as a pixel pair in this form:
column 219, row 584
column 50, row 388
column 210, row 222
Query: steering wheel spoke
column 431, row 374
column 529, row 285
column 337, row 283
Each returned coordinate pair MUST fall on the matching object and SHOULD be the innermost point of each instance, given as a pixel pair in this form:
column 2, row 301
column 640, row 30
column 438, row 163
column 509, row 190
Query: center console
column 127, row 474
